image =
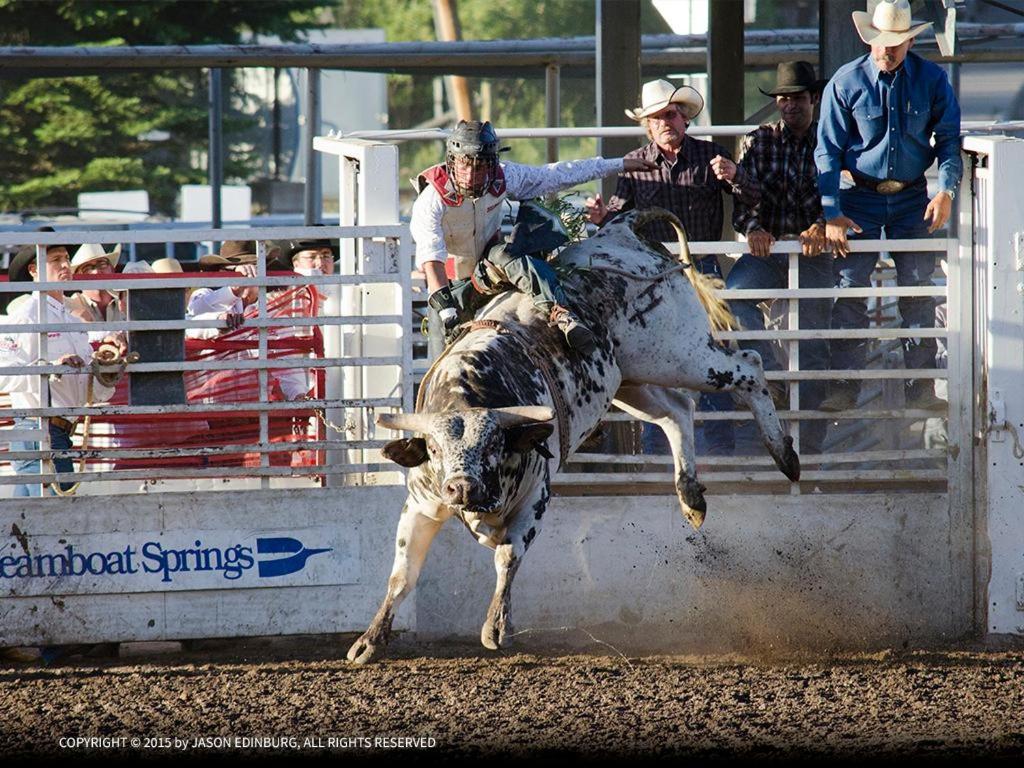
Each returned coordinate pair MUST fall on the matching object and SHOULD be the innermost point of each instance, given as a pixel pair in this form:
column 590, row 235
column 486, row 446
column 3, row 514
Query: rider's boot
column 577, row 335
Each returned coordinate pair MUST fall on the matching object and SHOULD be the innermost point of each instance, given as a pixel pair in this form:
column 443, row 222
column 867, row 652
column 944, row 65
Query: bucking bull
column 508, row 396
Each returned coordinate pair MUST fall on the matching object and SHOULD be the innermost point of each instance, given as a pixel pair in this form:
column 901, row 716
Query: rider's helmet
column 474, row 145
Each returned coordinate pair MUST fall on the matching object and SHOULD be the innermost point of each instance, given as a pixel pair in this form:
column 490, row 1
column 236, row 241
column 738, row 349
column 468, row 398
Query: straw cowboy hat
column 93, row 252
column 232, row 252
column 794, row 77
column 891, row 24
column 658, row 94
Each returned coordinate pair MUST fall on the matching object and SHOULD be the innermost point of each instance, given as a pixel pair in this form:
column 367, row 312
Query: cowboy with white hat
column 688, row 175
column 886, row 117
column 688, row 178
column 90, row 255
column 96, row 305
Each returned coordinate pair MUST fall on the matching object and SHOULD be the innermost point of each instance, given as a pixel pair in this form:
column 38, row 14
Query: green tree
column 515, row 101
column 64, row 135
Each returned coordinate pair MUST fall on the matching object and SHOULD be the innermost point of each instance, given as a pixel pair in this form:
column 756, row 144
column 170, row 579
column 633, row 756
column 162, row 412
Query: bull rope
column 557, row 398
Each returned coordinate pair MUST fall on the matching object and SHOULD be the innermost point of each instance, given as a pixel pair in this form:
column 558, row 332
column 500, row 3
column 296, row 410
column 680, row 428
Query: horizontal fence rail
column 335, row 435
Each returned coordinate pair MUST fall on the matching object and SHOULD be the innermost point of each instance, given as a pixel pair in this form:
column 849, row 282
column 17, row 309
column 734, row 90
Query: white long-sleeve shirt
column 522, row 182
column 209, row 304
column 22, row 349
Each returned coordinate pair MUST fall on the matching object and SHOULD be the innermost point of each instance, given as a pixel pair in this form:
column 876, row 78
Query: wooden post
column 617, row 74
column 838, row 41
column 446, row 26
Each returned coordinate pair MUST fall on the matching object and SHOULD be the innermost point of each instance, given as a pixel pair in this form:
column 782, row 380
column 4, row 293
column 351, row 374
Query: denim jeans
column 751, row 272
column 652, row 439
column 901, row 216
column 59, row 441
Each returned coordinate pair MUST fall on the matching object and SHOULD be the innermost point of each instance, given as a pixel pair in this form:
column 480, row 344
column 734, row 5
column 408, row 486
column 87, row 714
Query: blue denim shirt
column 880, row 125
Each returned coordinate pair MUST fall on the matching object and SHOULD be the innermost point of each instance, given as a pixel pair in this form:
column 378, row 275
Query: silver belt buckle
column 890, row 187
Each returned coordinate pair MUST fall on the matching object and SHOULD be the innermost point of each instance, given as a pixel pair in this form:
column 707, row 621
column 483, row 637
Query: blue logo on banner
column 283, row 546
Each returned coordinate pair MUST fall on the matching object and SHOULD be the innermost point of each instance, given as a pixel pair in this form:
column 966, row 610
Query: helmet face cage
column 476, row 145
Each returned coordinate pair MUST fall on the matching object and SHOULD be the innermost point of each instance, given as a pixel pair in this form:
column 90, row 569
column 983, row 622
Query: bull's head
column 468, row 449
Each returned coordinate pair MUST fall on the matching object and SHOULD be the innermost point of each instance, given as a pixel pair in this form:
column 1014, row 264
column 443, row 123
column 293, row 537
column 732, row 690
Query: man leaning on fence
column 688, row 177
column 879, row 116
column 64, row 347
column 780, row 156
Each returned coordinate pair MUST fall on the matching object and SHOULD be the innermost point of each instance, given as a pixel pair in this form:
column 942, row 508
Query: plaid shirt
column 688, row 188
column 784, row 172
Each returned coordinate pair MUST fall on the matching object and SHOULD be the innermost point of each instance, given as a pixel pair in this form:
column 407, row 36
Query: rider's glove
column 447, row 307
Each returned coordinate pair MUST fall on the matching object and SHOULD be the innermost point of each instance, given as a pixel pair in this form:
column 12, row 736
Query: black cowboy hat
column 794, row 77
column 309, row 244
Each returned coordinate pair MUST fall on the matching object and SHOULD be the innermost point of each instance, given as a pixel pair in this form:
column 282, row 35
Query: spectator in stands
column 229, row 304
column 96, row 305
column 780, row 157
column 72, row 348
column 688, row 178
column 885, row 118
column 310, row 257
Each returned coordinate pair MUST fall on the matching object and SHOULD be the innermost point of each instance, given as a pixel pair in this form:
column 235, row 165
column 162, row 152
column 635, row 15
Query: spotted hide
column 509, row 395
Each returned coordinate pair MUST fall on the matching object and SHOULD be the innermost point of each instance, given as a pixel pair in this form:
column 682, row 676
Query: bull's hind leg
column 497, row 629
column 416, row 531
column 740, row 372
column 672, row 410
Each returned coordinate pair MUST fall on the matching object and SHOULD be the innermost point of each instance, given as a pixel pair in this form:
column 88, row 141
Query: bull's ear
column 407, row 451
column 529, row 437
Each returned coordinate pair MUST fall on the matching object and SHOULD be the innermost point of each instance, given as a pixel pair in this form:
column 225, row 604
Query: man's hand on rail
column 760, row 243
column 813, row 239
column 233, row 320
column 246, row 270
column 938, row 211
column 835, row 234
column 73, row 360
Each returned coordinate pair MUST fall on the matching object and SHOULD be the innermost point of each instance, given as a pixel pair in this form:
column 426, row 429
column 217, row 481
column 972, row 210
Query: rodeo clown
column 456, row 224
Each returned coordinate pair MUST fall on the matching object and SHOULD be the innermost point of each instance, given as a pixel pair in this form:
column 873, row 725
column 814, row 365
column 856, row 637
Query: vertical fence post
column 312, row 201
column 216, row 156
column 552, row 107
column 263, row 354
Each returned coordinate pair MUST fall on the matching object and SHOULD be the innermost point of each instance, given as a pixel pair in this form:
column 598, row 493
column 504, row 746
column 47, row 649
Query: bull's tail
column 705, row 285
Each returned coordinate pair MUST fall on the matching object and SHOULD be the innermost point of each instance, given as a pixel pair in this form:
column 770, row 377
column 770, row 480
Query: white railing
column 384, row 269
column 355, row 457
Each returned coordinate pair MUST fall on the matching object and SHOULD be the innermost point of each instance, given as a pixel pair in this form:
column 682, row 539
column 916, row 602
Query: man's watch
column 951, row 193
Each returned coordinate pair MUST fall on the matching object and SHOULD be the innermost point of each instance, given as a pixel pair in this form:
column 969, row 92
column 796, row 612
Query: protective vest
column 469, row 224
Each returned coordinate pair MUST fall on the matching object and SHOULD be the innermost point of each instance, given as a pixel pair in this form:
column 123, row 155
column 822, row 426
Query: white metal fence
column 374, row 354
column 345, row 401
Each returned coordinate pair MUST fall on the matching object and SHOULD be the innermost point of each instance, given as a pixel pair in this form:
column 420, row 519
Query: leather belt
column 885, row 186
column 63, row 424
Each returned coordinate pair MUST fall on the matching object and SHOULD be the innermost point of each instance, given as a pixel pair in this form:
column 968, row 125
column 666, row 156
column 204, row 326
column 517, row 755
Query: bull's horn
column 518, row 415
column 412, row 422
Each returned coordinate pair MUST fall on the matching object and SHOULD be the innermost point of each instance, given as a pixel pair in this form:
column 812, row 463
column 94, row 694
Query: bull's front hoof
column 790, row 465
column 364, row 650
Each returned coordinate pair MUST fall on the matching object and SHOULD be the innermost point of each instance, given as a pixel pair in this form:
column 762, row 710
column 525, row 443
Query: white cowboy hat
column 90, row 252
column 137, row 268
column 891, row 24
column 658, row 94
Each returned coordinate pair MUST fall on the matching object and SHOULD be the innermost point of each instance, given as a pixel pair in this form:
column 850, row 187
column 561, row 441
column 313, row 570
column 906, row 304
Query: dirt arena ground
column 460, row 701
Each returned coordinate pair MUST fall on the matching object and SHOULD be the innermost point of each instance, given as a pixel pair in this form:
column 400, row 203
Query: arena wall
column 765, row 572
